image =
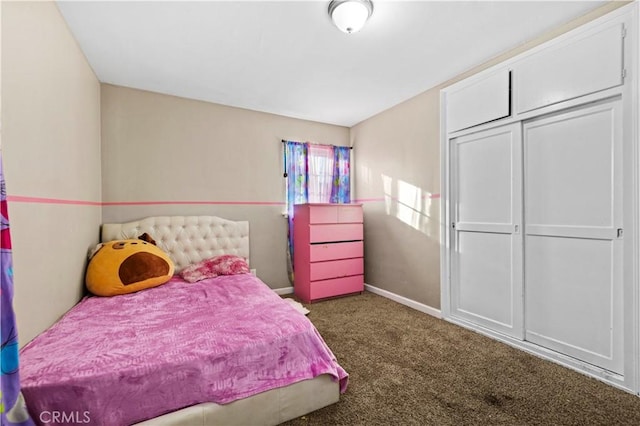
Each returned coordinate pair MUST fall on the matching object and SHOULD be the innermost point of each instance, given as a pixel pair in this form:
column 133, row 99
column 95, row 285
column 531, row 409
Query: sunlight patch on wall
column 387, row 183
column 408, row 203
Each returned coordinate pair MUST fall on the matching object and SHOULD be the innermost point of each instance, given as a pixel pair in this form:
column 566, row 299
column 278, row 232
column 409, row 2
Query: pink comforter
column 128, row 358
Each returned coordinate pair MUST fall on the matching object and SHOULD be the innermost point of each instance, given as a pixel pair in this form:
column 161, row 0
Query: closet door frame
column 629, row 16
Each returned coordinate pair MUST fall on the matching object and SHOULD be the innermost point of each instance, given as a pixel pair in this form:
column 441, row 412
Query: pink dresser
column 328, row 250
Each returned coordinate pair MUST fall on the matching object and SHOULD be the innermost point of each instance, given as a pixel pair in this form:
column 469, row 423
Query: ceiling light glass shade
column 350, row 15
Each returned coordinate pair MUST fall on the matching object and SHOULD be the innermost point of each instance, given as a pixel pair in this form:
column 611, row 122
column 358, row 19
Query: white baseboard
column 404, row 301
column 283, row 290
column 384, row 293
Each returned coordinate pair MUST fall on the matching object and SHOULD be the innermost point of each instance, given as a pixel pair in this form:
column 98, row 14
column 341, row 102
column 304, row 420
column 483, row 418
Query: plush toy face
column 126, row 266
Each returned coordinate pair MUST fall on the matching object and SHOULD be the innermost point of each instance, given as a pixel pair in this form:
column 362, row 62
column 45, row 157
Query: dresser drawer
column 336, row 269
column 323, row 214
column 336, row 287
column 335, row 232
column 332, row 251
column 350, row 214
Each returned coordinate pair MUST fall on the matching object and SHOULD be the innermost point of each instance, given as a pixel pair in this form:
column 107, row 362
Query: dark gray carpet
column 408, row 368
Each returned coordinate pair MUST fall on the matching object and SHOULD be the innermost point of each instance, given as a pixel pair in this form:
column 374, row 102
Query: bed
column 225, row 350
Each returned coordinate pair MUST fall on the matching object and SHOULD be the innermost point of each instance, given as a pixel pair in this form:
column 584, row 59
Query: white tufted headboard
column 187, row 239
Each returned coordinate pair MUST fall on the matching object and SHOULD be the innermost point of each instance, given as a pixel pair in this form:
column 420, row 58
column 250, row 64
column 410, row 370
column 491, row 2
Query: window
column 320, row 176
column 316, row 174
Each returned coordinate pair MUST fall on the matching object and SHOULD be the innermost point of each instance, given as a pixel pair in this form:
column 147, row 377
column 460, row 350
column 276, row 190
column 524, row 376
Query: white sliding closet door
column 573, row 235
column 486, row 252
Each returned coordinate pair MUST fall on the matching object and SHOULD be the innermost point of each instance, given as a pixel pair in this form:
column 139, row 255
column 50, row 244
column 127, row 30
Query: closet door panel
column 486, row 277
column 484, row 178
column 571, row 297
column 479, row 102
column 573, row 236
column 569, row 172
column 487, row 245
column 566, row 71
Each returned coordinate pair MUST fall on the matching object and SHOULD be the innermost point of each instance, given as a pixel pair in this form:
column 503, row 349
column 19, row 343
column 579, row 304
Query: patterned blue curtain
column 341, row 189
column 297, row 175
column 12, row 407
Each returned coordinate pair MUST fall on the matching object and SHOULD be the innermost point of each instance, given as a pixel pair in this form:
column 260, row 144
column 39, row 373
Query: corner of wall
column 54, row 199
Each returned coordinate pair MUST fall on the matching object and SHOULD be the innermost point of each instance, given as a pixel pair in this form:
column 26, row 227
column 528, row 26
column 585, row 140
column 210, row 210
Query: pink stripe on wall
column 381, row 199
column 42, row 200
column 151, row 203
column 368, row 200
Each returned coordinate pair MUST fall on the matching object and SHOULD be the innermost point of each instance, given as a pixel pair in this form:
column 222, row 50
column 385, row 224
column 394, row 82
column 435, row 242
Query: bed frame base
column 267, row 408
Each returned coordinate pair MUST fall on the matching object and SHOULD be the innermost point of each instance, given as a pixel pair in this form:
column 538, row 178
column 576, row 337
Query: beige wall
column 397, row 160
column 396, row 154
column 164, row 148
column 51, row 149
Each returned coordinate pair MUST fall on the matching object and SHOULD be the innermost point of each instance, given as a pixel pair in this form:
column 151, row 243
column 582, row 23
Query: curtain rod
column 284, row 141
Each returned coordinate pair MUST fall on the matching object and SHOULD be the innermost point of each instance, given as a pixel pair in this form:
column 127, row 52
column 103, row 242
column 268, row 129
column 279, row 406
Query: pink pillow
column 226, row 264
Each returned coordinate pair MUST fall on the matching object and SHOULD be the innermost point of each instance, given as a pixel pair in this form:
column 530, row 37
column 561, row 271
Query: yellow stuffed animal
column 127, row 266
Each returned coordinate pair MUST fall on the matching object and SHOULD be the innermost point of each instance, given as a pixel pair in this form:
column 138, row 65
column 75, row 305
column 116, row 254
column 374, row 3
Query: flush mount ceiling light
column 350, row 15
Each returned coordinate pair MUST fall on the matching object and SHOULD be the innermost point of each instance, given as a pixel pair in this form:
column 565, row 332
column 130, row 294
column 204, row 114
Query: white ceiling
column 287, row 58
